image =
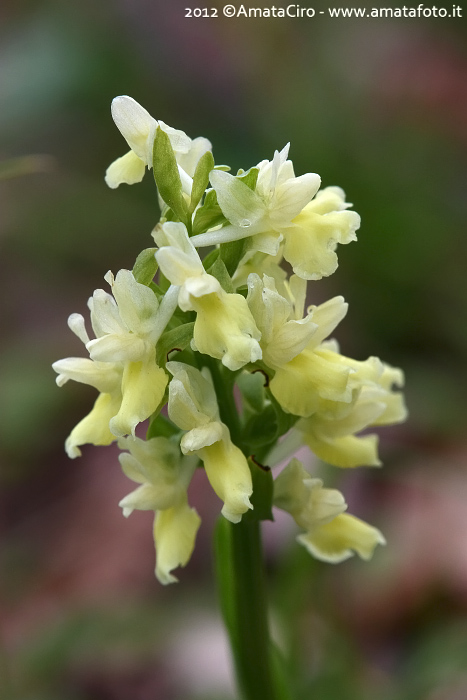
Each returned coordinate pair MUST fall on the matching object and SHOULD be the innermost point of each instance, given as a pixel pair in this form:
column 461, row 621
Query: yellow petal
column 300, row 383
column 94, row 428
column 311, row 241
column 174, row 536
column 348, row 451
column 229, row 475
column 225, row 329
column 143, row 387
column 341, row 538
column 128, row 169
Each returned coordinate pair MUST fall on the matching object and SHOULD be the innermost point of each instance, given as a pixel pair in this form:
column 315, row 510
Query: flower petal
column 94, row 428
column 174, row 536
column 143, row 387
column 121, row 347
column 137, row 304
column 192, row 399
column 129, row 169
column 225, row 329
column 292, row 196
column 348, row 451
column 239, row 204
column 341, row 538
column 134, row 123
column 105, row 377
column 299, row 384
column 229, row 475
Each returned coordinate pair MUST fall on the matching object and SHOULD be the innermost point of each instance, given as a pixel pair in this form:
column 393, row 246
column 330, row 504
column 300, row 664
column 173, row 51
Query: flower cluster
column 182, row 338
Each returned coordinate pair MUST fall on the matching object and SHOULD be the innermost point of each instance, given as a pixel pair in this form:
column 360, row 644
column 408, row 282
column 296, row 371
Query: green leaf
column 261, row 429
column 251, row 385
column 161, row 426
column 263, row 487
column 209, row 214
column 201, row 179
column 284, row 420
column 167, row 176
column 219, row 271
column 232, row 253
column 250, row 177
column 145, row 266
column 179, row 338
column 164, row 283
column 156, row 289
column 211, row 258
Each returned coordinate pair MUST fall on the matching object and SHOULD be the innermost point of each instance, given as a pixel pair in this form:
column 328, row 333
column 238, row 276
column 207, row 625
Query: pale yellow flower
column 224, row 327
column 331, row 431
column 193, row 407
column 139, row 129
column 305, row 371
column 164, row 475
column 331, row 535
column 123, row 364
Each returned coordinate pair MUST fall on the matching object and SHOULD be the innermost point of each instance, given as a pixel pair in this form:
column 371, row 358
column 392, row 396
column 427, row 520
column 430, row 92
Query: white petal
column 104, row 314
column 137, row 303
column 239, row 204
column 118, row 347
column 291, row 197
column 77, row 325
column 181, row 143
column 291, row 338
column 200, row 437
column 328, row 316
column 134, row 123
column 192, row 399
column 105, row 377
column 188, row 161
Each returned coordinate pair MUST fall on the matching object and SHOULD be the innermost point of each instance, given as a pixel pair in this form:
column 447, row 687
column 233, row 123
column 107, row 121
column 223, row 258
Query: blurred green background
column 376, row 106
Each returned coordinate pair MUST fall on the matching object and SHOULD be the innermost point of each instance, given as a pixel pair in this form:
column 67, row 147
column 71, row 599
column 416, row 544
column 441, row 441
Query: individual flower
column 193, row 408
column 265, row 212
column 139, row 129
column 224, row 327
column 331, row 431
column 106, row 377
column 305, row 370
column 164, row 475
column 123, row 365
column 285, row 207
column 331, row 535
column 127, row 328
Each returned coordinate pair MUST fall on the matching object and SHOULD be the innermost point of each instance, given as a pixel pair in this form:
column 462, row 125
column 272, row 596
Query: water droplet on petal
column 245, row 223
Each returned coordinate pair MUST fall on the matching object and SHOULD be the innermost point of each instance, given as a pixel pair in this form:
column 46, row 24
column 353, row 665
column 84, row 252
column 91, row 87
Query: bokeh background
column 377, row 106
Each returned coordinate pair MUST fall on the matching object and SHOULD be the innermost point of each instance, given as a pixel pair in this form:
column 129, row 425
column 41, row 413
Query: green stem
column 241, row 578
column 243, row 601
column 223, row 386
